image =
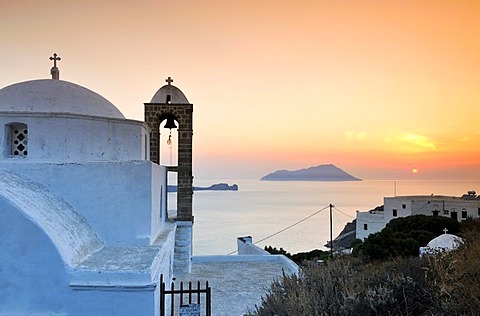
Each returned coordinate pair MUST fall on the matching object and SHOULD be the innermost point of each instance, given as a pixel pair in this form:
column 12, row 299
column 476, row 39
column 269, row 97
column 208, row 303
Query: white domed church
column 84, row 227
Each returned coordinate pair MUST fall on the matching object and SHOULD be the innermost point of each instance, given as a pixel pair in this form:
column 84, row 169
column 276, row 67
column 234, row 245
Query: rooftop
column 433, row 197
column 237, row 282
column 55, row 96
column 169, row 94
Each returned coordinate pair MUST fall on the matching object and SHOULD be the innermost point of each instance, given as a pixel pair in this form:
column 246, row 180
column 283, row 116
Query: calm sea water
column 262, row 208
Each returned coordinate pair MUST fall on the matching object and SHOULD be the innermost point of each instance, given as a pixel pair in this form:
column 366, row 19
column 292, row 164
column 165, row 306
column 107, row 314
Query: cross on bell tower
column 55, row 72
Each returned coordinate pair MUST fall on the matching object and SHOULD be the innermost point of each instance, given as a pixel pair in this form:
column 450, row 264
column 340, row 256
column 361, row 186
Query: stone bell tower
column 169, row 103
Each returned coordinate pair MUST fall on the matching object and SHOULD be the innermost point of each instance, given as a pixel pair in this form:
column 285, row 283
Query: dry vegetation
column 447, row 284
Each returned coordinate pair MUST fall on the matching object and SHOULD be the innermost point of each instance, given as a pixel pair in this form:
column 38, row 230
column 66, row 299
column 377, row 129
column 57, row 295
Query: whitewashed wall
column 120, row 200
column 31, row 268
column 245, row 246
column 44, row 246
column 375, row 223
column 63, row 137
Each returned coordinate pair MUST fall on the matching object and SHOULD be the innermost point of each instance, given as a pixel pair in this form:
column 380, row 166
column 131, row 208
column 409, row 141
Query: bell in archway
column 170, row 123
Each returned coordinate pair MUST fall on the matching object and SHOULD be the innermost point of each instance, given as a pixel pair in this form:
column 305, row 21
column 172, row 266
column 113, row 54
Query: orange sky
column 377, row 88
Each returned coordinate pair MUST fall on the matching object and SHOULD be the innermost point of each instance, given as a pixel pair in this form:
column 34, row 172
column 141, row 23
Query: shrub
column 433, row 224
column 300, row 257
column 351, row 287
column 275, row 251
column 446, row 284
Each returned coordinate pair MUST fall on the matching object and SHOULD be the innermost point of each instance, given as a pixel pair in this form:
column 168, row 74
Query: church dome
column 55, row 96
column 445, row 241
column 169, row 94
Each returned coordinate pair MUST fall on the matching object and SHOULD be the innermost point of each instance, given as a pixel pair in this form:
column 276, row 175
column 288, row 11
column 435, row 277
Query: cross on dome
column 445, row 230
column 169, row 81
column 54, row 71
column 55, row 58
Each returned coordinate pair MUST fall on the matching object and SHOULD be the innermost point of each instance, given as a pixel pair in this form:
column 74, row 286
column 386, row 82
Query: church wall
column 159, row 199
column 32, row 275
column 36, row 278
column 114, row 302
column 119, row 199
column 77, row 138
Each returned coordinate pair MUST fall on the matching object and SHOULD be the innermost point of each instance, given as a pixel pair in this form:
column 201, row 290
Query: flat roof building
column 457, row 208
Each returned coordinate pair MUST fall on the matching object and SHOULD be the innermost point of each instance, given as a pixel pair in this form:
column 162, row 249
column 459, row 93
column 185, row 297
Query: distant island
column 213, row 187
column 318, row 173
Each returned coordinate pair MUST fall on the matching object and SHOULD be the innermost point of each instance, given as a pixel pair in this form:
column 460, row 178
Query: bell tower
column 170, row 104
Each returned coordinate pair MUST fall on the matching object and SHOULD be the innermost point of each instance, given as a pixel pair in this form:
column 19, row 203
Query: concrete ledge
column 245, row 246
column 115, row 288
column 121, row 267
column 289, row 264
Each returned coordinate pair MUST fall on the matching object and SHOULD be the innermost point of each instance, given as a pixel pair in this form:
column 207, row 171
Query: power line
column 286, row 228
column 294, row 224
column 343, row 212
column 336, row 217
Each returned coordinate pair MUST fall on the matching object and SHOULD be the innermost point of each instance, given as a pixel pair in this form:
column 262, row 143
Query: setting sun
column 414, row 170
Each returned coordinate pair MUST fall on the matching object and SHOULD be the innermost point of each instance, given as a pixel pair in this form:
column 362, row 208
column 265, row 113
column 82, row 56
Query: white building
column 84, row 227
column 458, row 208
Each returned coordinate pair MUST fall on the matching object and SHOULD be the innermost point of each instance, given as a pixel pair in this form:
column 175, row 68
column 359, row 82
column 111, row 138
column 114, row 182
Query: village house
column 457, row 208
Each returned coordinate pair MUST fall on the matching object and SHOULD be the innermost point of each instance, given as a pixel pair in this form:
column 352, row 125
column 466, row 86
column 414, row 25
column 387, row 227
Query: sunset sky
column 378, row 88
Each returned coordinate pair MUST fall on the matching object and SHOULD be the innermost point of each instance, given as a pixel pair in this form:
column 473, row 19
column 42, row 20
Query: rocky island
column 318, row 173
column 213, row 187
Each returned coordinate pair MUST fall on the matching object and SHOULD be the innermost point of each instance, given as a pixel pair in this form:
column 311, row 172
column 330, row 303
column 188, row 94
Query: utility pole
column 331, row 233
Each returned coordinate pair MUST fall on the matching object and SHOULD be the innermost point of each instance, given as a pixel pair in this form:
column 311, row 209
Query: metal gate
column 183, row 297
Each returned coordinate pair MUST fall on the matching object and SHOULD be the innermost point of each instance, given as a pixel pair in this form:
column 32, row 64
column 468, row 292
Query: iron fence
column 184, row 296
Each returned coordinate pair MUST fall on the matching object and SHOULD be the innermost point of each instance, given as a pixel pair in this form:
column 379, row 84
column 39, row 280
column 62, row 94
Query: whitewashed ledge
column 125, row 266
column 288, row 265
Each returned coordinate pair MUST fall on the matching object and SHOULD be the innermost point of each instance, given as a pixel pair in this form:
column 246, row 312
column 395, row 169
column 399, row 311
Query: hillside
column 318, row 173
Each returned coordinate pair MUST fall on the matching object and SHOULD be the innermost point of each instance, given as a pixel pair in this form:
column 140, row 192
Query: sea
column 293, row 215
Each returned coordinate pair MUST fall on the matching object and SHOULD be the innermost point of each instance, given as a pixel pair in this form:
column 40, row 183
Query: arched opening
column 168, row 131
column 179, row 167
column 168, row 156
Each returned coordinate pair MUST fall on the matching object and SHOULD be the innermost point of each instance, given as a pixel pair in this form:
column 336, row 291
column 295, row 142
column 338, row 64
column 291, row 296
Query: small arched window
column 17, row 139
